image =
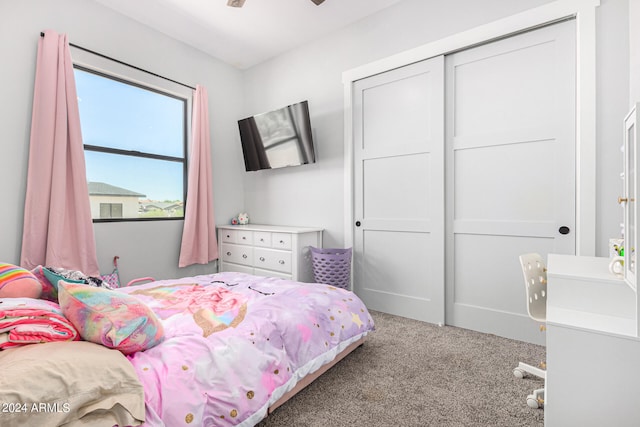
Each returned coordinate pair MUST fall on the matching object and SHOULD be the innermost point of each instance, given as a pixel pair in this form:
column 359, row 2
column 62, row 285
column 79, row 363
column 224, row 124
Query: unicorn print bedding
column 234, row 344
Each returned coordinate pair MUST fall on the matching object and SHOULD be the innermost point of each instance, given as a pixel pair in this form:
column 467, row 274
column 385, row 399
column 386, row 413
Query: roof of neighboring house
column 162, row 205
column 103, row 189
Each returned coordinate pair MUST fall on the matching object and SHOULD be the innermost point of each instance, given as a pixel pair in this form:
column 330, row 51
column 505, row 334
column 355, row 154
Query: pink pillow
column 17, row 282
column 113, row 319
column 49, row 280
column 49, row 292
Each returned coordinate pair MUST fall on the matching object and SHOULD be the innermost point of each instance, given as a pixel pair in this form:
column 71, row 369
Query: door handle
column 358, row 223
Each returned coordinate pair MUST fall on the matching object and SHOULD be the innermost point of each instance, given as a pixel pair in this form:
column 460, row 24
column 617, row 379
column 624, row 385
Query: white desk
column 584, row 294
column 593, row 350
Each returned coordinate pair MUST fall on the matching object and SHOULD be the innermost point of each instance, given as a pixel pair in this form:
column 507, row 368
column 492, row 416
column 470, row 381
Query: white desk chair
column 535, row 279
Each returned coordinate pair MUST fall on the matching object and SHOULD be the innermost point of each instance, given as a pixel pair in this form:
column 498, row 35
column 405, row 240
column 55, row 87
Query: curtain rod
column 128, row 65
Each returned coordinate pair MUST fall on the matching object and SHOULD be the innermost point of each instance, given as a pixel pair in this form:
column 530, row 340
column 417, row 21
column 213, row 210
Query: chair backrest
column 535, row 279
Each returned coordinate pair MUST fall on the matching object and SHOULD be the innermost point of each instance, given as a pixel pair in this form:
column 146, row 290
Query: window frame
column 118, row 71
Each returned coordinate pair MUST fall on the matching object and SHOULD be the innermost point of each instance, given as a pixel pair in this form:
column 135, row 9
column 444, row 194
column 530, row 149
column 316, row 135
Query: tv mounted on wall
column 277, row 139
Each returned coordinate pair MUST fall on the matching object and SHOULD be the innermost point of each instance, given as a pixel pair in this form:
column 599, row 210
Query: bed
column 234, row 347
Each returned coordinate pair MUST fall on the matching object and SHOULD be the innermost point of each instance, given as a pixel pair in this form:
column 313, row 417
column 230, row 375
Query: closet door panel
column 511, row 191
column 384, row 178
column 510, row 173
column 400, row 280
column 399, row 191
column 476, row 268
column 505, row 91
column 397, row 112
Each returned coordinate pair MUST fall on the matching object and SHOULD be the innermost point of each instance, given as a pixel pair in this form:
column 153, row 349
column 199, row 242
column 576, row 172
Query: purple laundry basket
column 332, row 266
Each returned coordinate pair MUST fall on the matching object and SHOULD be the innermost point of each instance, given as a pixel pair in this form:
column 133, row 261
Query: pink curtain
column 58, row 229
column 199, row 244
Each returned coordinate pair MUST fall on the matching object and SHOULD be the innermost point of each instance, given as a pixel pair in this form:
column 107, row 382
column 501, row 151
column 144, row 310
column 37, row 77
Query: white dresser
column 268, row 250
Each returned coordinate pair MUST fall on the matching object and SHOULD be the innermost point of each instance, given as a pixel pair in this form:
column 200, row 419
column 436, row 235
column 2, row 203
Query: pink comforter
column 235, row 343
column 28, row 321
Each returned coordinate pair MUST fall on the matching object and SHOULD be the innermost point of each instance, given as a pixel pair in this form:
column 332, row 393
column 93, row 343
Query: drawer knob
column 228, row 253
column 244, row 256
column 228, row 236
column 281, row 261
column 282, row 241
column 262, row 240
column 262, row 258
column 244, row 237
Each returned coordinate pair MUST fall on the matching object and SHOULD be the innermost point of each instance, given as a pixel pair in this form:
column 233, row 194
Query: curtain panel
column 199, row 243
column 58, row 229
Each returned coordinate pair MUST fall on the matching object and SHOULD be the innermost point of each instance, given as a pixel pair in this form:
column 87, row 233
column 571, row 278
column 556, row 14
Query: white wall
column 634, row 51
column 612, row 52
column 313, row 195
column 149, row 248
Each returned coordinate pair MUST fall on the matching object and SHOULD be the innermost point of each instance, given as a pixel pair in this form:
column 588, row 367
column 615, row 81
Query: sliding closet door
column 510, row 151
column 398, row 122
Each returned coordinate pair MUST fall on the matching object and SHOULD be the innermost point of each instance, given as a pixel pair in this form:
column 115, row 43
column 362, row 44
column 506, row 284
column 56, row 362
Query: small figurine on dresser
column 242, row 219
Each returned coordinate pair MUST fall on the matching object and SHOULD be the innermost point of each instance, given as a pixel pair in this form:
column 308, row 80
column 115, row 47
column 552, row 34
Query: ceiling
column 246, row 36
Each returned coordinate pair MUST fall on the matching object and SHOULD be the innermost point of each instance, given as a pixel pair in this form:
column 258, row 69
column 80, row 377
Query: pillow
column 113, row 319
column 71, row 384
column 16, row 282
column 49, row 280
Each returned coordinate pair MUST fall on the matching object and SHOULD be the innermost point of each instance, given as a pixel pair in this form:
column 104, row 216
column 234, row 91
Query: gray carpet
column 410, row 373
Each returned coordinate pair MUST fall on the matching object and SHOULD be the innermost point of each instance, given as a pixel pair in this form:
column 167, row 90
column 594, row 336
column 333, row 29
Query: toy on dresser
column 242, row 219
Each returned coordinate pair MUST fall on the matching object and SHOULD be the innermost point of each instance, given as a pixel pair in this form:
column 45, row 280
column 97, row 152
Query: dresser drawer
column 237, row 254
column 262, row 238
column 228, row 236
column 227, row 266
column 244, row 237
column 273, row 259
column 281, row 240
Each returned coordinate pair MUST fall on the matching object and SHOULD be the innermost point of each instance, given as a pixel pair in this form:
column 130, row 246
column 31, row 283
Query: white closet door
column 399, row 191
column 510, row 127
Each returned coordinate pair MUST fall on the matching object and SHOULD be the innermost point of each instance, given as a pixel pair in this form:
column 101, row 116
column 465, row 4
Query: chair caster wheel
column 532, row 402
column 518, row 373
column 535, row 402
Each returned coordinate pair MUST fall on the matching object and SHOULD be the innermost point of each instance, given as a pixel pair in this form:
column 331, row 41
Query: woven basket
column 332, row 266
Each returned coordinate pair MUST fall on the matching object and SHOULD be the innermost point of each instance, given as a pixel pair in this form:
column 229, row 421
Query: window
column 110, row 210
column 135, row 143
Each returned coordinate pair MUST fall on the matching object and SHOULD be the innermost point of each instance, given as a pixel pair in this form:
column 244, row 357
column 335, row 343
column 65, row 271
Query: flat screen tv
column 278, row 138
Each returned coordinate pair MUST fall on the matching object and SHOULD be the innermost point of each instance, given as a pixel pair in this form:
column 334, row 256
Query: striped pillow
column 17, row 282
